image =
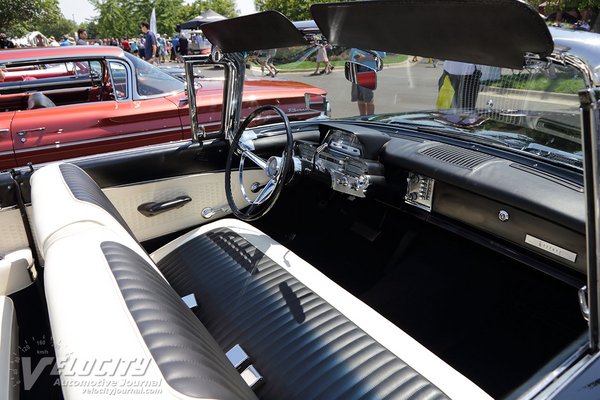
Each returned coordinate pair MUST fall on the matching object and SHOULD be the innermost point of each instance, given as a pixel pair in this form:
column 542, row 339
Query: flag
column 153, row 20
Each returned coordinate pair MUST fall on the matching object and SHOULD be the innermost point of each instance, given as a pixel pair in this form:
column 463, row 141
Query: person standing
column 458, row 86
column 5, row 43
column 162, row 49
column 175, row 48
column 322, row 58
column 65, row 41
column 81, row 37
column 364, row 97
column 269, row 62
column 183, row 45
column 150, row 45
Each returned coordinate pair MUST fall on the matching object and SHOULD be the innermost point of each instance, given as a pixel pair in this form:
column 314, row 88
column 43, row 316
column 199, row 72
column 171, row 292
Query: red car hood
column 211, row 91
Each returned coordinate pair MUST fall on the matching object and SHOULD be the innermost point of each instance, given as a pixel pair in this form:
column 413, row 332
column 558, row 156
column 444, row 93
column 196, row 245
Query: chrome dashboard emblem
column 551, row 248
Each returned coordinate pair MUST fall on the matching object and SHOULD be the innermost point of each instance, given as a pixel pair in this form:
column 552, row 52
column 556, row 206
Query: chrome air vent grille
column 457, row 155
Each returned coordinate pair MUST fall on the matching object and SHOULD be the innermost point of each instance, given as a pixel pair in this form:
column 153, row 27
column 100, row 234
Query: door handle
column 24, row 131
column 154, row 208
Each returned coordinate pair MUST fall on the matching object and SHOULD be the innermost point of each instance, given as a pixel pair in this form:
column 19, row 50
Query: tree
column 224, row 7
column 295, row 10
column 112, row 20
column 57, row 27
column 20, row 16
column 91, row 27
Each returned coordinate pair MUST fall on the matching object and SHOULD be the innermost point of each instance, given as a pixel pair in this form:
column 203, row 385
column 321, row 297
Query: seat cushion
column 307, row 336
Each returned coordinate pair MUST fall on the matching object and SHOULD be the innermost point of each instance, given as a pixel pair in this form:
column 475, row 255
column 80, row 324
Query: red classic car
column 60, row 103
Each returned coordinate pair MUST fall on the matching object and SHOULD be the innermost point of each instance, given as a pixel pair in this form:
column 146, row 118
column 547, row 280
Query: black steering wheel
column 277, row 169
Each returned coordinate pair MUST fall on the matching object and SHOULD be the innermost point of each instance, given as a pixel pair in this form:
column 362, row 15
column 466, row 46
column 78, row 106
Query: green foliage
column 91, row 27
column 20, row 16
column 57, row 27
column 121, row 18
column 223, row 7
column 112, row 20
column 561, row 83
column 295, row 10
column 566, row 5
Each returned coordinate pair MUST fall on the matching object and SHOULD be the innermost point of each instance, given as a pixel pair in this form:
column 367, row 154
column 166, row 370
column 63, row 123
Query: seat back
column 63, row 194
column 110, row 308
column 39, row 100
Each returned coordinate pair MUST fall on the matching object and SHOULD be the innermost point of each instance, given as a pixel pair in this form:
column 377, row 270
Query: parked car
column 438, row 240
column 67, row 102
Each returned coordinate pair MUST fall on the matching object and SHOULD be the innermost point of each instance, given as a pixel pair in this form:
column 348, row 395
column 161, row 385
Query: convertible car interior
column 371, row 257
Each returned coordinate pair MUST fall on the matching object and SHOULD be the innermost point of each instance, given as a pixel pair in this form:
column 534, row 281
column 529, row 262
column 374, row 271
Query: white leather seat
column 107, row 298
column 63, row 194
column 9, row 365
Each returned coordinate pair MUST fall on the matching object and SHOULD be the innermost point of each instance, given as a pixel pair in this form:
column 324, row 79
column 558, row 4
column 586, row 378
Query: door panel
column 7, row 156
column 206, row 190
column 58, row 133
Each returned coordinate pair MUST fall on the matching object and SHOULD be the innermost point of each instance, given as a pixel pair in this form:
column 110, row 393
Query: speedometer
column 345, row 143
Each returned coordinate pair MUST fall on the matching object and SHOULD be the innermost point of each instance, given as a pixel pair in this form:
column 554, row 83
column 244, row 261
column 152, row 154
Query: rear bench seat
column 307, row 336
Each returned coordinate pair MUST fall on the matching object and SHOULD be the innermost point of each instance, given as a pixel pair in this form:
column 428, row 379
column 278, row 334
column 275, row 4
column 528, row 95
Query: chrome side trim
column 4, row 130
column 5, row 153
column 98, row 140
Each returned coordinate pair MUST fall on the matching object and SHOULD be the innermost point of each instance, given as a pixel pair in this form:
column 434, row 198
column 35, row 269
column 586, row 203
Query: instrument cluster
column 340, row 158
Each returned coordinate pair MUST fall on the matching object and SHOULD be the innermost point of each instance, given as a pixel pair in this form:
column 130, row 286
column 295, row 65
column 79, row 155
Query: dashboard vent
column 457, row 155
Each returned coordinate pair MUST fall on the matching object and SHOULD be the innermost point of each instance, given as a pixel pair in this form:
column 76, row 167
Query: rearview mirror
column 361, row 75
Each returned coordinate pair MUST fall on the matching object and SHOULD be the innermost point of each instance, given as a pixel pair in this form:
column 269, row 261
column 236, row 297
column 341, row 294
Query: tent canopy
column 204, row 18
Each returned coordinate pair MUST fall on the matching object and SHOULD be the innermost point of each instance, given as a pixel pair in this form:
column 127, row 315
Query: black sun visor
column 261, row 31
column 488, row 32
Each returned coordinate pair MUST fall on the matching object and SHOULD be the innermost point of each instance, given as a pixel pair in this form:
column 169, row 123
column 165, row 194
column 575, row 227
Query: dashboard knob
column 412, row 196
column 503, row 216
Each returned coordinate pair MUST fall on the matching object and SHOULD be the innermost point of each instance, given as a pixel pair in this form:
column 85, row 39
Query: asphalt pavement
column 411, row 87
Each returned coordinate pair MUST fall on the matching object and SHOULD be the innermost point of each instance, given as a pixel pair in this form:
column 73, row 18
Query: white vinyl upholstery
column 430, row 366
column 14, row 274
column 9, row 385
column 89, row 318
column 52, row 199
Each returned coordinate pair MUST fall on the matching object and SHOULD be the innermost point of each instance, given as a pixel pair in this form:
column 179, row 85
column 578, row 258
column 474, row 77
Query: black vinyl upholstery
column 304, row 347
column 85, row 189
column 39, row 100
column 186, row 354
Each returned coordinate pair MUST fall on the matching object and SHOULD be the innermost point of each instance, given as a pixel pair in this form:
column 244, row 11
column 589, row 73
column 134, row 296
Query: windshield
column 151, row 81
column 533, row 110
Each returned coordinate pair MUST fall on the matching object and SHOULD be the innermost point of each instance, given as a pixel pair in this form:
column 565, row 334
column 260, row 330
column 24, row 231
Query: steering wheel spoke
column 266, row 192
column 260, row 162
column 275, row 168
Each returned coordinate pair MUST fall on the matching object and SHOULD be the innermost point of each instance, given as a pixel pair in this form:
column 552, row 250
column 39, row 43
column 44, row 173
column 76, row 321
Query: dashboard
column 342, row 159
column 519, row 203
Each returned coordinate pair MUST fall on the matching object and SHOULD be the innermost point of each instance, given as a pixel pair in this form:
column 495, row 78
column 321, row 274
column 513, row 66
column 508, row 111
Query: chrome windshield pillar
column 590, row 117
column 234, row 72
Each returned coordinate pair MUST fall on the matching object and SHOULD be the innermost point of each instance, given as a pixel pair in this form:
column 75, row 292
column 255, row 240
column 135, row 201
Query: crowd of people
column 151, row 46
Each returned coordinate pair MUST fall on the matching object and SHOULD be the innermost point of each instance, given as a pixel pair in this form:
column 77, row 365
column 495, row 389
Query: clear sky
column 80, row 10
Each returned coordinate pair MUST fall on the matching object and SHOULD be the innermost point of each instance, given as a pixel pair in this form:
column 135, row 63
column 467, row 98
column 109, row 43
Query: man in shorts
column 361, row 95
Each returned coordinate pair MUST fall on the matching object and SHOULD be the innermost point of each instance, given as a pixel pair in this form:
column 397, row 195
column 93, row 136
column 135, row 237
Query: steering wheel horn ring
column 276, row 169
